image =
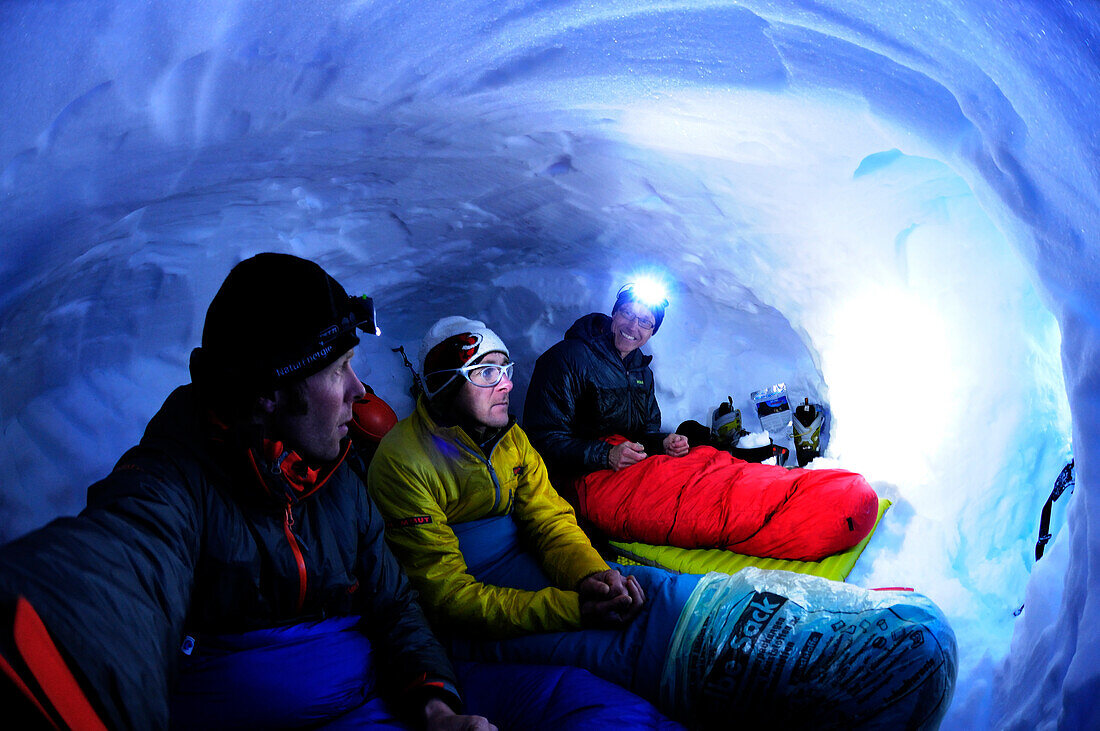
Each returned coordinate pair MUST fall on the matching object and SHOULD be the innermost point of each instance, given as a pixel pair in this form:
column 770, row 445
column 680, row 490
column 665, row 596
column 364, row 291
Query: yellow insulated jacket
column 427, row 477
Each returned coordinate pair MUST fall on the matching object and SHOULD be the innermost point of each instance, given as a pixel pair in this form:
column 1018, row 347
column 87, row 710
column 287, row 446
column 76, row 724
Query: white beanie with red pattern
column 451, row 343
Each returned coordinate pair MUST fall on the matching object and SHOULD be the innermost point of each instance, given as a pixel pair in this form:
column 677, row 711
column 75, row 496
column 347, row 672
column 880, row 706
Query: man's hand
column 676, row 445
column 625, row 454
column 609, row 599
column 438, row 716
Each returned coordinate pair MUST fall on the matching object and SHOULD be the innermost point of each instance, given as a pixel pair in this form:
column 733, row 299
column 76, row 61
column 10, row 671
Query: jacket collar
column 240, row 454
column 436, row 423
column 285, row 474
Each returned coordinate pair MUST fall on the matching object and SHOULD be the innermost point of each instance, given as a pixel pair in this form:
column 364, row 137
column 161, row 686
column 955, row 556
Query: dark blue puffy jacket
column 182, row 540
column 582, row 390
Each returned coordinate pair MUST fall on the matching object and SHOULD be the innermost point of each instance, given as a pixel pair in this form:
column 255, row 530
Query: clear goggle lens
column 486, row 375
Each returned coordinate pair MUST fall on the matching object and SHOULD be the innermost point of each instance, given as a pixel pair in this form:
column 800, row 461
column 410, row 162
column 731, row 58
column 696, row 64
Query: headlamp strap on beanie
column 281, row 372
column 358, row 314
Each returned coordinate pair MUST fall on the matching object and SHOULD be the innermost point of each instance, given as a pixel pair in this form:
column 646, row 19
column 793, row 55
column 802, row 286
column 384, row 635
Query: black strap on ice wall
column 1065, row 480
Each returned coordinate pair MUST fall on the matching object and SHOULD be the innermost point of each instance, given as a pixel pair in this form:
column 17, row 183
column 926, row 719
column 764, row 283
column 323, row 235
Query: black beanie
column 276, row 319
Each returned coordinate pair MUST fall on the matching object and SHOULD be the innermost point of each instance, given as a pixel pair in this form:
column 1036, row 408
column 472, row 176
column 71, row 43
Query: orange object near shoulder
column 372, row 418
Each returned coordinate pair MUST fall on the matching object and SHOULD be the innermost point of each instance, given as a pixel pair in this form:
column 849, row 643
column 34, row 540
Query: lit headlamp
column 647, row 291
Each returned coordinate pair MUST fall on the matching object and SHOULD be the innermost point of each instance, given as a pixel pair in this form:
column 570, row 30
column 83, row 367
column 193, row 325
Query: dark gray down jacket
column 582, row 390
column 184, row 537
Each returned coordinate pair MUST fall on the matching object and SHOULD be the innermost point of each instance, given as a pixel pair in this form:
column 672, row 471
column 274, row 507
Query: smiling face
column 631, row 326
column 487, row 406
column 314, row 421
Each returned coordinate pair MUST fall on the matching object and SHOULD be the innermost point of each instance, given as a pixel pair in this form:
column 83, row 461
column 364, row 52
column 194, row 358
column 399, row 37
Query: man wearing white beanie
column 460, row 461
column 453, row 342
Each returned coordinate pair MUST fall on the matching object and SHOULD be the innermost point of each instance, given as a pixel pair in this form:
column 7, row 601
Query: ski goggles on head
column 483, row 375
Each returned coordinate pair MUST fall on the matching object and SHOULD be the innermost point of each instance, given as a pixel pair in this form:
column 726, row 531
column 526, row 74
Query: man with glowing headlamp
column 592, row 414
column 596, row 383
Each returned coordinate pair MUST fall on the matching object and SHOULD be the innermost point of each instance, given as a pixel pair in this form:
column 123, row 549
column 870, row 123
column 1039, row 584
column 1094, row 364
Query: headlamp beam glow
column 649, row 291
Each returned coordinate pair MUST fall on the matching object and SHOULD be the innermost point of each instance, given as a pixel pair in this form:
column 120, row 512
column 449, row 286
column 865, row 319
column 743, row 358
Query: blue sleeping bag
column 322, row 675
column 770, row 647
column 633, row 657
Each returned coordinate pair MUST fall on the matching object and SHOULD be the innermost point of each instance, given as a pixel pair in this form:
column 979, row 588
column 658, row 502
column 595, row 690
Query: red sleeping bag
column 710, row 499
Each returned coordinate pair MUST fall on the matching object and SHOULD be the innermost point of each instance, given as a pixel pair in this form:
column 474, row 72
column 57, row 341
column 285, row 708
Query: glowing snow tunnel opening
column 891, row 383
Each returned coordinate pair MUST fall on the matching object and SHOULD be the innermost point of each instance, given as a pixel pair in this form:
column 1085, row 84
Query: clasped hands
column 628, row 453
column 609, row 599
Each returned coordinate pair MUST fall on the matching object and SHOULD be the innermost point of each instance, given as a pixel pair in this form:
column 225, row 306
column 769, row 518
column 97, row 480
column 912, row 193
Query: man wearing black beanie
column 231, row 570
